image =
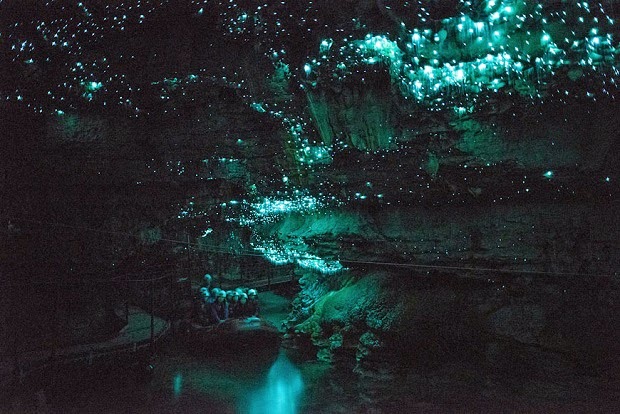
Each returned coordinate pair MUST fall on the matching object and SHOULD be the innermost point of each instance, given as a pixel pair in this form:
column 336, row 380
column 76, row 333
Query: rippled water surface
column 185, row 383
column 284, row 382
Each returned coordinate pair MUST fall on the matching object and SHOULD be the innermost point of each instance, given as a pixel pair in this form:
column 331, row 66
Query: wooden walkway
column 140, row 331
column 228, row 284
column 255, row 283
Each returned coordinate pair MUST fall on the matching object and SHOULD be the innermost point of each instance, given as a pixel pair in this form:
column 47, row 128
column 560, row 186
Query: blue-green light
column 177, row 384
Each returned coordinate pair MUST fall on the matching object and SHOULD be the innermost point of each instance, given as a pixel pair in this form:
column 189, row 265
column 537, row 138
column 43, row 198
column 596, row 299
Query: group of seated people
column 214, row 305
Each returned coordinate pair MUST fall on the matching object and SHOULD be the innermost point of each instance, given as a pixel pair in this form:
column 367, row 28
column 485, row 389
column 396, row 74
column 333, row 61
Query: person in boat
column 246, row 307
column 206, row 282
column 202, row 308
column 219, row 308
column 214, row 292
column 242, row 310
column 232, row 297
column 253, row 307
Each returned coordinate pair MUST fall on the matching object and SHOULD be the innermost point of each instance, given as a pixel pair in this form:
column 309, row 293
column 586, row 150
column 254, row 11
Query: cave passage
column 424, row 193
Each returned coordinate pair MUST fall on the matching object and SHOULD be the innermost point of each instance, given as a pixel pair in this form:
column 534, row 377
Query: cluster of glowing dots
column 61, row 38
column 306, row 152
column 513, row 43
column 281, row 254
column 269, row 207
column 514, row 47
column 270, row 210
column 73, row 35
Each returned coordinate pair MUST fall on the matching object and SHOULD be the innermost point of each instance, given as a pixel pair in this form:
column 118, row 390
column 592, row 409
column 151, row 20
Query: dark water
column 285, row 383
column 182, row 382
column 240, row 384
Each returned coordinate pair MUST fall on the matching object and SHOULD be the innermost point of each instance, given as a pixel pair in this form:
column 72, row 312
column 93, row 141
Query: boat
column 254, row 335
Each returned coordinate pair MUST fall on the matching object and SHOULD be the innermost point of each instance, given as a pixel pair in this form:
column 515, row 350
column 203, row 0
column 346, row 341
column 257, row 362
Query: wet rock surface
column 481, row 244
column 496, row 342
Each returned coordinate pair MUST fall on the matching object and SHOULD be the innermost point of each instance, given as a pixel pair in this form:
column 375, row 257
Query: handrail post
column 173, row 295
column 152, row 310
column 127, row 300
column 189, row 259
column 16, row 321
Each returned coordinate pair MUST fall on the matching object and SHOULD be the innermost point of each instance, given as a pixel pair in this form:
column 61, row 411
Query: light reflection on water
column 281, row 392
column 177, row 384
column 185, row 383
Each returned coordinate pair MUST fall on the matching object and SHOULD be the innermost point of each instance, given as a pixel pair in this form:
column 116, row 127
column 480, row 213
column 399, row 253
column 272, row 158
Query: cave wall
column 576, row 238
column 134, row 177
column 213, row 118
column 531, row 330
column 367, row 116
column 523, row 291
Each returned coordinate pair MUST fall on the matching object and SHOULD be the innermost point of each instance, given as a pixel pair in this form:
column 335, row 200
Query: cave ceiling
column 308, row 106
